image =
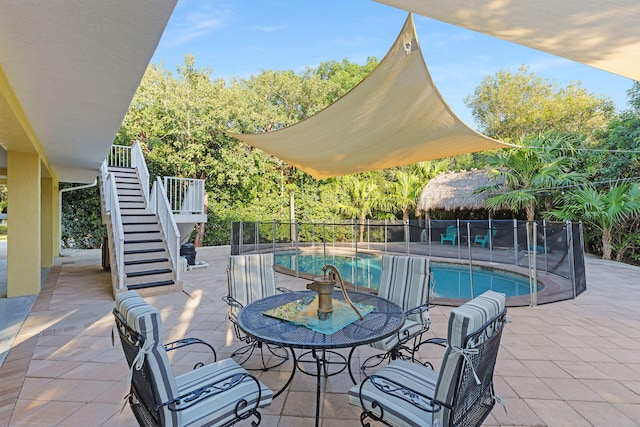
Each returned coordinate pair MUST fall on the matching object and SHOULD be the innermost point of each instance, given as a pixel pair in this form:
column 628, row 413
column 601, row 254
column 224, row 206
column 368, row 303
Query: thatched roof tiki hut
column 454, row 191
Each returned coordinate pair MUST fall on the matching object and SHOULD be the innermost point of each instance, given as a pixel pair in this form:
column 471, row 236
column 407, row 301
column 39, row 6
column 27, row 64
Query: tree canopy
column 509, row 105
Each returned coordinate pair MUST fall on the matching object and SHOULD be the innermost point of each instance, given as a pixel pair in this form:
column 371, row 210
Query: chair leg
column 270, row 358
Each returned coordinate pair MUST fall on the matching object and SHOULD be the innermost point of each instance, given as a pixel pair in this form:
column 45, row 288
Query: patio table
column 386, row 318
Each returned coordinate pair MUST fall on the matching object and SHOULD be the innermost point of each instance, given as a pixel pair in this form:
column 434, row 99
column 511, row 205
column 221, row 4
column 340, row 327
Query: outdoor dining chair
column 450, row 235
column 250, row 278
column 216, row 394
column 483, row 239
column 404, row 280
column 461, row 394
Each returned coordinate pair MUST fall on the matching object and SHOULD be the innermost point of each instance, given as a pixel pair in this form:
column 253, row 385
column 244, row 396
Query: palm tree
column 523, row 175
column 404, row 192
column 602, row 210
column 364, row 197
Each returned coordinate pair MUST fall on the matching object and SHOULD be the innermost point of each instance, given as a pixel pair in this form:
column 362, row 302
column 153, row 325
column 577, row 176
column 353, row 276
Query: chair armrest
column 174, row 345
column 193, row 397
column 417, row 310
column 231, row 301
column 413, row 397
column 442, row 342
column 420, row 310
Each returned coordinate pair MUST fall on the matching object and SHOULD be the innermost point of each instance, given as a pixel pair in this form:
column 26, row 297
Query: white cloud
column 189, row 24
column 270, row 28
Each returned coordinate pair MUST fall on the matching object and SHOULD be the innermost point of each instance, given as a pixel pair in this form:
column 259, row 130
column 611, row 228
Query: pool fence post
column 470, row 264
column 273, row 238
column 458, row 237
column 490, row 231
column 313, row 234
column 295, row 227
column 546, row 249
column 570, row 257
column 429, row 224
column 385, row 235
column 353, row 232
column 324, row 240
column 532, row 229
column 355, row 276
column 535, row 264
column 515, row 241
column 256, row 240
column 356, row 247
column 406, row 237
column 368, row 234
column 241, row 238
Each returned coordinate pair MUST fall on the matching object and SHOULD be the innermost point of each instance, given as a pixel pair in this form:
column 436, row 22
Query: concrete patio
column 571, row 363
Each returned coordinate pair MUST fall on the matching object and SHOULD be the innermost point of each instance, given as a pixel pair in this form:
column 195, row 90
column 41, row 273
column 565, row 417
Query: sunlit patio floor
column 571, row 363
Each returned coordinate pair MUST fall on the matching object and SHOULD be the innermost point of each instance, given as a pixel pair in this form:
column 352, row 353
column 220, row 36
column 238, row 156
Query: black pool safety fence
column 549, row 254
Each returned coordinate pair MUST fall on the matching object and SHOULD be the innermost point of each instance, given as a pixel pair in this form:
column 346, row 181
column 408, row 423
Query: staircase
column 147, row 262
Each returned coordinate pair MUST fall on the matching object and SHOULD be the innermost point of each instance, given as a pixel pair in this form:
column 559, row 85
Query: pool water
column 451, row 281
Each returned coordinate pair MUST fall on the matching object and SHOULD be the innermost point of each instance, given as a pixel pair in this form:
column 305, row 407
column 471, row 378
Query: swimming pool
column 451, row 281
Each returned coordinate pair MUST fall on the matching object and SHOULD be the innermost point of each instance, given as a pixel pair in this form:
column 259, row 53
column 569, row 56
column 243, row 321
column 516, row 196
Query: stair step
column 146, row 261
column 133, row 211
column 149, row 272
column 141, row 214
column 151, row 284
column 142, row 232
column 140, row 223
column 129, row 242
column 143, row 251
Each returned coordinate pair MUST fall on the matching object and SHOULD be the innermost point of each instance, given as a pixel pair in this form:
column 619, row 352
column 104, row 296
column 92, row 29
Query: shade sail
column 600, row 33
column 395, row 116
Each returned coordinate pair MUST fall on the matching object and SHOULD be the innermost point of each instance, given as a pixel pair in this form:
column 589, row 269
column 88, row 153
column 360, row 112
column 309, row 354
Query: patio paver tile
column 603, row 414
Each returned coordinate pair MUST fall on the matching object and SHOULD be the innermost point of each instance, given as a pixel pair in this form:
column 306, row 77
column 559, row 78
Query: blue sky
column 238, row 38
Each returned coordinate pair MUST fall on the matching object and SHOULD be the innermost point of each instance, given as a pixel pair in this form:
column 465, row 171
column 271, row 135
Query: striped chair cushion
column 251, row 277
column 225, row 403
column 214, row 411
column 464, row 321
column 397, row 412
column 405, row 281
column 146, row 320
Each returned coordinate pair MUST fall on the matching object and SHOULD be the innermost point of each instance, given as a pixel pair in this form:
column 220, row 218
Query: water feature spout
column 324, row 288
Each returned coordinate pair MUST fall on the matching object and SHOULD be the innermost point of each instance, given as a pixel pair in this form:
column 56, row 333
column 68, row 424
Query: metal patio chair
column 216, row 394
column 461, row 394
column 404, row 280
column 250, row 278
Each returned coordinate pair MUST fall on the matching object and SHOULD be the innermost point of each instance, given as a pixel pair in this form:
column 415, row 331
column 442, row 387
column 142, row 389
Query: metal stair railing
column 159, row 205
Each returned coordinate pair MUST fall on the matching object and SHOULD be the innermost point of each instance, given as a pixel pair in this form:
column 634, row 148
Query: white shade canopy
column 395, row 116
column 600, row 33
